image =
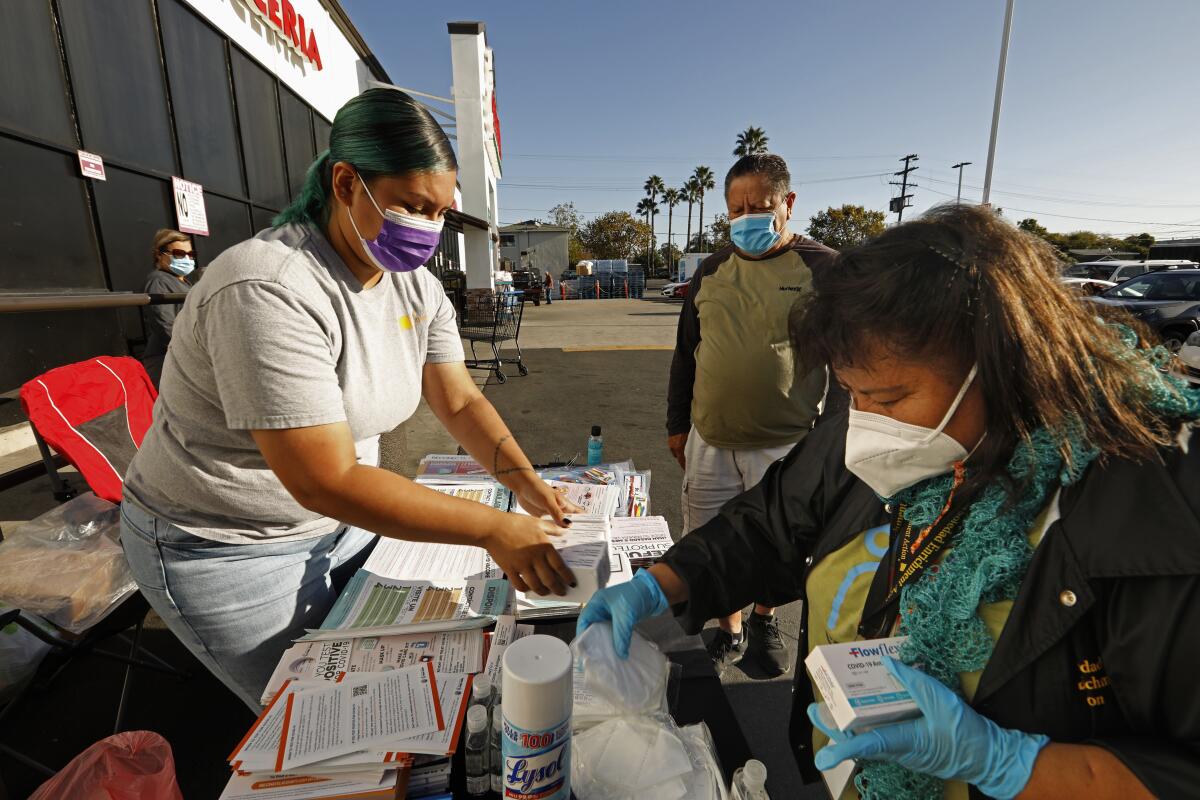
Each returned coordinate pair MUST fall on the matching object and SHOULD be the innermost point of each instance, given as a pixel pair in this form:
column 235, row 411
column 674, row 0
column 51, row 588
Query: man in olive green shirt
column 735, row 402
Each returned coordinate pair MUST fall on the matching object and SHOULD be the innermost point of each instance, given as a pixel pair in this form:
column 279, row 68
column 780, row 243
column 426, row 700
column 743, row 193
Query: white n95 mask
column 889, row 456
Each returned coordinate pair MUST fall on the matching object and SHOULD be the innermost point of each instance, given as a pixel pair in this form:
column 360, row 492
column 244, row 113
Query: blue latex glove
column 626, row 605
column 950, row 741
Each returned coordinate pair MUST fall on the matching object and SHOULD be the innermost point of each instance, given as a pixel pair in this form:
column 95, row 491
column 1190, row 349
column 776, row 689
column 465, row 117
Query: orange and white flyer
column 357, row 713
column 371, row 784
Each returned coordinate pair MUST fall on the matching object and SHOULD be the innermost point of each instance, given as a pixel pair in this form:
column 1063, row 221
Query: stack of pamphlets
column 642, row 540
column 366, row 724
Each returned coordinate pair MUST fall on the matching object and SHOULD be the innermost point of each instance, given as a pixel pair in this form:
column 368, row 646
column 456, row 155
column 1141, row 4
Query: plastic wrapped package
column 20, row 654
column 134, row 765
column 705, row 781
column 608, row 685
column 67, row 565
column 630, row 757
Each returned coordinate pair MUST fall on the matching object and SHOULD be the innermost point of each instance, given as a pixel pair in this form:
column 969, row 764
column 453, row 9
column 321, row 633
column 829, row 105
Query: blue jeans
column 237, row 607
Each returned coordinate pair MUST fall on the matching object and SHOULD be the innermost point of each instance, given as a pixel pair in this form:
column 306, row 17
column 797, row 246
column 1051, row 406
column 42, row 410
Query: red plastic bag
column 135, row 765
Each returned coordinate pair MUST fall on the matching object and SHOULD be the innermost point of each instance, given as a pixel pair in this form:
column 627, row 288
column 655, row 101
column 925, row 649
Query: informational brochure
column 368, row 784
column 453, row 691
column 642, row 540
column 450, row 469
column 375, row 606
column 595, row 499
column 507, row 631
column 356, row 713
column 489, row 493
column 430, row 561
column 451, row 651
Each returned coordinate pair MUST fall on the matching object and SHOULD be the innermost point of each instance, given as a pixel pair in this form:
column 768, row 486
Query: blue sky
column 1099, row 127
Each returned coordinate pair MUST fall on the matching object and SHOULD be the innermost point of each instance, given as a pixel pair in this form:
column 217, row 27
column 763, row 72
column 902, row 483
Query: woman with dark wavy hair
column 257, row 491
column 1014, row 489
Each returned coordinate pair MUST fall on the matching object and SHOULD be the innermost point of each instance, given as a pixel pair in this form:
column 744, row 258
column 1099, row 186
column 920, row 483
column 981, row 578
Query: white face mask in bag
column 889, row 456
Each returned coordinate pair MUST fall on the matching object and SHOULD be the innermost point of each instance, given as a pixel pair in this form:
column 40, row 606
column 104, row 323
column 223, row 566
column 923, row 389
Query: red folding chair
column 95, row 414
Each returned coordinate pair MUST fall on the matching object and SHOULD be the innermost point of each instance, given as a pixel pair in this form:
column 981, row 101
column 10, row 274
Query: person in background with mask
column 1015, row 490
column 735, row 400
column 174, row 261
column 256, row 493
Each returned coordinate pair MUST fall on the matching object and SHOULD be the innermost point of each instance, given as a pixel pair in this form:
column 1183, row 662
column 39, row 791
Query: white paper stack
column 364, row 725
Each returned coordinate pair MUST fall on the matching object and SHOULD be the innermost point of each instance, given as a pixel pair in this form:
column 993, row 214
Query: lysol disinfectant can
column 536, row 744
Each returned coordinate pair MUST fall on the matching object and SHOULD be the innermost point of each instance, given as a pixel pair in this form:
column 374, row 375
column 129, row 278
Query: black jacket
column 1103, row 642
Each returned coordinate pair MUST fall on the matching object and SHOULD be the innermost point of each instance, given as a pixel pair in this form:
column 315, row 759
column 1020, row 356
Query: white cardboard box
column 857, row 688
column 585, row 549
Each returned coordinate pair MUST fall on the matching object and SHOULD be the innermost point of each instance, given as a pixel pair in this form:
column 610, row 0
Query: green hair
column 379, row 132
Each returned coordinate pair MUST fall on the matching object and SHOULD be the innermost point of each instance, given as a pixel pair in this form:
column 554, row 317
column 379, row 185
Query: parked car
column 1167, row 301
column 1117, row 271
column 1088, row 287
column 675, row 291
column 1189, row 358
column 529, row 281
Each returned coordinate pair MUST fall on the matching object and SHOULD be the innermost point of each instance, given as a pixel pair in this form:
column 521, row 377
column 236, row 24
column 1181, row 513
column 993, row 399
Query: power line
column 898, row 204
column 1069, row 216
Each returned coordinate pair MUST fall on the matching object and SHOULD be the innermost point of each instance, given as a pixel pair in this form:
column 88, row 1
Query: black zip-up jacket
column 1103, row 642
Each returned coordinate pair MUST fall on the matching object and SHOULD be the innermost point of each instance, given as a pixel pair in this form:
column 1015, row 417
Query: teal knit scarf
column 991, row 554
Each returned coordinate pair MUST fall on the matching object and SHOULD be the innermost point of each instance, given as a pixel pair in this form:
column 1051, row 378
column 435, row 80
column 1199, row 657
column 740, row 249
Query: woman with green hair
column 1014, row 490
column 257, row 493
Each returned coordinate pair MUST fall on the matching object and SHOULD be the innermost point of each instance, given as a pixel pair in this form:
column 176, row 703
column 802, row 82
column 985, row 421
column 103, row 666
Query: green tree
column 565, row 215
column 670, row 256
column 616, row 234
column 845, row 226
column 1030, row 225
column 691, row 193
column 719, row 232
column 704, row 183
column 654, row 186
column 751, row 142
column 1141, row 243
column 672, row 198
column 647, row 208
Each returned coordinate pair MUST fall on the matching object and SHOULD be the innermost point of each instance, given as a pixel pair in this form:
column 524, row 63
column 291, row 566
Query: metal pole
column 959, row 166
column 987, row 178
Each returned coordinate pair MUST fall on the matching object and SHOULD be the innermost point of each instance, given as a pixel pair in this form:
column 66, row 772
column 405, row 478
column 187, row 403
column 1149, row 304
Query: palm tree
column 654, row 186
column 751, row 142
column 672, row 197
column 703, row 176
column 691, row 193
column 648, row 208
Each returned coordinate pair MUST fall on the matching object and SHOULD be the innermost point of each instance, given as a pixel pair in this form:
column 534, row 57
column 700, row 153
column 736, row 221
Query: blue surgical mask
column 754, row 234
column 182, row 266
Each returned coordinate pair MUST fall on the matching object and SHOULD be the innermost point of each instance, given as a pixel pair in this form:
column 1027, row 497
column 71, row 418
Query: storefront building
column 235, row 95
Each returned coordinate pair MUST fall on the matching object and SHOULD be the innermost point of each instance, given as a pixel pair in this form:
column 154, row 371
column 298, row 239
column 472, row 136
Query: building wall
column 201, row 107
column 547, row 249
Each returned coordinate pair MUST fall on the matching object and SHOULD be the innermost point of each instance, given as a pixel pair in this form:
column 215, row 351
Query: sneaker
column 724, row 652
column 769, row 648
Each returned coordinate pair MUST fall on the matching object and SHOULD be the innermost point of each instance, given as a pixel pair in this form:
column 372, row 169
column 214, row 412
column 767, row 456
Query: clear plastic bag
column 67, row 565
column 628, row 757
column 135, row 765
column 20, row 654
column 705, row 781
column 612, row 685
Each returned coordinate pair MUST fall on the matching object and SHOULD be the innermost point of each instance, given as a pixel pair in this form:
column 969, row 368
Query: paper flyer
column 429, row 561
column 642, row 540
column 451, row 469
column 595, row 499
column 450, row 651
column 507, row 631
column 453, row 691
column 375, row 606
column 369, row 784
column 356, row 713
column 489, row 493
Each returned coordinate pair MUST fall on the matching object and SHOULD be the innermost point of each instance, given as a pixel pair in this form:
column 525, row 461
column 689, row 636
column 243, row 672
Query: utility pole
column 959, row 166
column 898, row 204
column 987, row 178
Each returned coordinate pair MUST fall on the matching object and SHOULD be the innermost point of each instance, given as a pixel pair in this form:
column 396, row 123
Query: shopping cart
column 494, row 320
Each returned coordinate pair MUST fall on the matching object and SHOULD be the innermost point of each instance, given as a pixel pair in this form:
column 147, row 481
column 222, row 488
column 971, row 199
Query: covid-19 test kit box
column 859, row 693
column 858, row 690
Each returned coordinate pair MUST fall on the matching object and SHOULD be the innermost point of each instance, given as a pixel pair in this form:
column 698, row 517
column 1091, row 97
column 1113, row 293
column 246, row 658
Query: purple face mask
column 404, row 243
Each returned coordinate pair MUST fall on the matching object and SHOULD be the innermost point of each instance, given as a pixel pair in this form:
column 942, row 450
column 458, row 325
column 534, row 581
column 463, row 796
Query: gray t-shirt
column 280, row 334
